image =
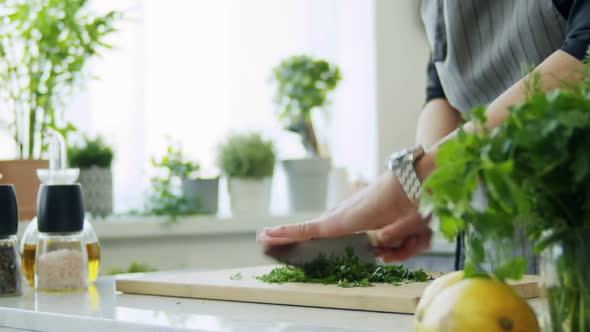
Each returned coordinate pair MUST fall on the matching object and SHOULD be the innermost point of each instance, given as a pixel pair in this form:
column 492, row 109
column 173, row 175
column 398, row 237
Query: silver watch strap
column 402, row 165
column 410, row 182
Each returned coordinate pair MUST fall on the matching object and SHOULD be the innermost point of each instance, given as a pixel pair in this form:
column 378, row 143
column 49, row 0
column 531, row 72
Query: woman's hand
column 383, row 206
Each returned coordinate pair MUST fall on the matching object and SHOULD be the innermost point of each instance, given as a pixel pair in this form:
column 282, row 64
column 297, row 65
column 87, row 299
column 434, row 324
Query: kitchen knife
column 297, row 254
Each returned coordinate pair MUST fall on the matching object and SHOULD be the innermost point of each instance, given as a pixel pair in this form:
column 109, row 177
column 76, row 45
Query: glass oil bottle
column 57, row 174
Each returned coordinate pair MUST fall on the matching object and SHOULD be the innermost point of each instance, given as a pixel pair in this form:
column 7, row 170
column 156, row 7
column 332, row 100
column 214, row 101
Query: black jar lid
column 60, row 208
column 8, row 210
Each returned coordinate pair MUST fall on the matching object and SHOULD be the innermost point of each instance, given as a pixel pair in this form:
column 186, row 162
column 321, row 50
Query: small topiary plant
column 303, row 84
column 247, row 156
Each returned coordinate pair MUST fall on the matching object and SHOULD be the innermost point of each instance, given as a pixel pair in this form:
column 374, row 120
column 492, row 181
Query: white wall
column 401, row 54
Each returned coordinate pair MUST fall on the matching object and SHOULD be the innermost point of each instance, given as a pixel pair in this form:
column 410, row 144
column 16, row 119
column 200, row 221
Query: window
column 195, row 70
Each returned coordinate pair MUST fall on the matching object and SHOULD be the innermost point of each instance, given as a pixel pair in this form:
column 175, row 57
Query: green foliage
column 176, row 164
column 236, row 276
column 45, row 46
column 93, row 152
column 533, row 171
column 247, row 156
column 303, row 84
column 135, row 267
column 346, row 271
column 165, row 197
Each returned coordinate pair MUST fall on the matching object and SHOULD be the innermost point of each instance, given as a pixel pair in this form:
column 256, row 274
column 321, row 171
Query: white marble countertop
column 102, row 309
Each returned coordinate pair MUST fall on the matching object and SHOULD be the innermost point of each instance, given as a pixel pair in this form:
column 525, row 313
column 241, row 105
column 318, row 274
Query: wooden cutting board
column 217, row 285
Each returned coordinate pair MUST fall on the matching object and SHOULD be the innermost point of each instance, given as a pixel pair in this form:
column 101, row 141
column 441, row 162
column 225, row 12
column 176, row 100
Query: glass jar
column 61, row 262
column 496, row 250
column 565, row 282
column 10, row 275
column 28, row 248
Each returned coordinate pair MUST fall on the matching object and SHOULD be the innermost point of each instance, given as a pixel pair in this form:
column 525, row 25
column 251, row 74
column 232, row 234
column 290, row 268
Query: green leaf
column 450, row 226
column 512, row 269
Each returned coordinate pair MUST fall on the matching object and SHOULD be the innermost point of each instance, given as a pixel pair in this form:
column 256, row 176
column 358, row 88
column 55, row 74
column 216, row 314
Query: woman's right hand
column 383, row 206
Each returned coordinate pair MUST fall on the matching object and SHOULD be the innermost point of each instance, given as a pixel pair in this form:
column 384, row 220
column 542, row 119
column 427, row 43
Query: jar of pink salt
column 61, row 260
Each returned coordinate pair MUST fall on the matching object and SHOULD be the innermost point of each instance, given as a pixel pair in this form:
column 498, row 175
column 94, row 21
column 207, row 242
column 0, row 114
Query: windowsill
column 142, row 227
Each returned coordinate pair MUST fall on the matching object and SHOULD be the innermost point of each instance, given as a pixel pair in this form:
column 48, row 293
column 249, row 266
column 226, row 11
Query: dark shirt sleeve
column 433, row 87
column 577, row 37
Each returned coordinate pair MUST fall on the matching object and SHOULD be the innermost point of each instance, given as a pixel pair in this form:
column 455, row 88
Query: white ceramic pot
column 249, row 196
column 339, row 188
column 201, row 194
column 308, row 183
column 97, row 186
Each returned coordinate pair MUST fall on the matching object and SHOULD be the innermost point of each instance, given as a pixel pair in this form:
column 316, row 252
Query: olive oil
column 28, row 261
column 93, row 260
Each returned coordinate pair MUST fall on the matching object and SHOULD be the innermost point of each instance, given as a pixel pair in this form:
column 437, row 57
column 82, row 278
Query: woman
column 478, row 50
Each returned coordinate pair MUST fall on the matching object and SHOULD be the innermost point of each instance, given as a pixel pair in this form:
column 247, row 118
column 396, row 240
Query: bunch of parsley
column 532, row 173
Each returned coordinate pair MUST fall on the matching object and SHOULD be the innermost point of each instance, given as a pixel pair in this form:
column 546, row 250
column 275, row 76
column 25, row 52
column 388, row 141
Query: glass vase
column 495, row 251
column 565, row 282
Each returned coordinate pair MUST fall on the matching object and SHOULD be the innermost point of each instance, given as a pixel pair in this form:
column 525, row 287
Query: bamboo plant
column 45, row 46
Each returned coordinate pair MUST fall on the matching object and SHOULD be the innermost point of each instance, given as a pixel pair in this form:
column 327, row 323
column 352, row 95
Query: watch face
column 396, row 158
column 404, row 156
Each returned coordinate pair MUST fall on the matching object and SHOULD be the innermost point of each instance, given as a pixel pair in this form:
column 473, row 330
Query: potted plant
column 94, row 158
column 177, row 190
column 303, row 86
column 37, row 75
column 530, row 175
column 248, row 161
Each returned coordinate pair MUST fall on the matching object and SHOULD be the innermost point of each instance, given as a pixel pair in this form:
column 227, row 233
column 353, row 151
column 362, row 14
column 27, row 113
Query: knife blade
column 297, row 254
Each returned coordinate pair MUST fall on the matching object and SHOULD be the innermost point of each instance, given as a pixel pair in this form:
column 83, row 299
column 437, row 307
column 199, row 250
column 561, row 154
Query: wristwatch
column 401, row 163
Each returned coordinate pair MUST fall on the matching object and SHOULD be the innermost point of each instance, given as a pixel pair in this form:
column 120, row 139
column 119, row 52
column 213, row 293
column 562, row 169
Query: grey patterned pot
column 97, row 185
column 202, row 194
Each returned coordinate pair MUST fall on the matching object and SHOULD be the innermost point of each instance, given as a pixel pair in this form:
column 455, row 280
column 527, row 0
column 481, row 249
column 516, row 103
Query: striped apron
column 481, row 48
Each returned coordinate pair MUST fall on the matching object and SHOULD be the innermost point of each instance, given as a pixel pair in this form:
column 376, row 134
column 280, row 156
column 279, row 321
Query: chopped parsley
column 344, row 271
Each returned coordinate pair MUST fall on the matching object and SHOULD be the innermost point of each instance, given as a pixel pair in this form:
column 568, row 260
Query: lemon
column 434, row 288
column 478, row 304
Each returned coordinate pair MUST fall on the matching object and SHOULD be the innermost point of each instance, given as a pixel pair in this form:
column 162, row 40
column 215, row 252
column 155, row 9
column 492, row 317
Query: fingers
column 287, row 234
column 330, row 225
column 394, row 234
column 297, row 232
column 412, row 246
column 268, row 241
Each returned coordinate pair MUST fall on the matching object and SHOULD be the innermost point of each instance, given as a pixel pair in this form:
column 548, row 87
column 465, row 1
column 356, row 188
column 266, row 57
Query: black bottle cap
column 8, row 210
column 60, row 208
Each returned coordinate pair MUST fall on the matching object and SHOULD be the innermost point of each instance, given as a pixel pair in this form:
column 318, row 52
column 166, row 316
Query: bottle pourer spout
column 57, row 149
column 57, row 172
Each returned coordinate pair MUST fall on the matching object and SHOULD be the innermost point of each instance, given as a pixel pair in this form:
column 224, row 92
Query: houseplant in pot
column 531, row 173
column 303, row 85
column 94, row 158
column 176, row 188
column 248, row 161
column 37, row 75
